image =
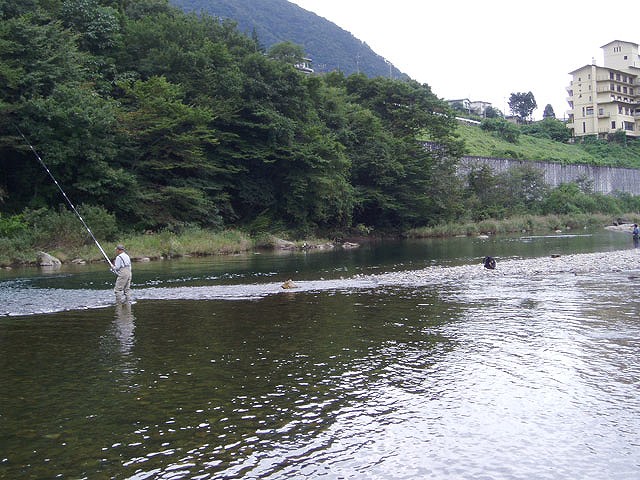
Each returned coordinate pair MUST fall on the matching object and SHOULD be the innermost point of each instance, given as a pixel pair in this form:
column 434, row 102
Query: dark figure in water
column 489, row 262
column 636, row 235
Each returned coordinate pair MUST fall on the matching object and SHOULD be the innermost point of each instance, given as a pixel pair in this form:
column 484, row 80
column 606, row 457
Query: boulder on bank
column 281, row 244
column 46, row 260
column 621, row 227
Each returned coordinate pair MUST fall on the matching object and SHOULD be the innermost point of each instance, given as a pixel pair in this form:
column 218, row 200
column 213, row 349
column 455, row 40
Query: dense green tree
column 484, row 195
column 493, row 112
column 287, row 52
column 49, row 97
column 168, row 144
column 406, row 110
column 548, row 112
column 524, row 189
column 522, row 105
column 98, row 26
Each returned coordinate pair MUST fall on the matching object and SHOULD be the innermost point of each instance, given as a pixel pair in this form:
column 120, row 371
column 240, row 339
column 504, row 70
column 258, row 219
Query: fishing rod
column 66, row 198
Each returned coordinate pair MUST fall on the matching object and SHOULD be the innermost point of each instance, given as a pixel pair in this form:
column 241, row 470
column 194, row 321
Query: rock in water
column 289, row 284
column 46, row 260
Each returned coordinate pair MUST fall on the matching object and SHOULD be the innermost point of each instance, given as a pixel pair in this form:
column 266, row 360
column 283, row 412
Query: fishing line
column 66, row 198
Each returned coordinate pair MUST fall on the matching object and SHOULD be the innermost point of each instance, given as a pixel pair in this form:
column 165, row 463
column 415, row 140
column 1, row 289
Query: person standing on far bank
column 122, row 268
column 636, row 235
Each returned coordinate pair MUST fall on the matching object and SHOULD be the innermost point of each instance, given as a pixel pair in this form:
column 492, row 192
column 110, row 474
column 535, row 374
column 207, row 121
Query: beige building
column 604, row 100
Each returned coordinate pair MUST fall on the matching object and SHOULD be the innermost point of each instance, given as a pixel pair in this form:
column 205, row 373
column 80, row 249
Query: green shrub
column 101, row 222
column 62, row 228
column 501, row 128
column 12, row 226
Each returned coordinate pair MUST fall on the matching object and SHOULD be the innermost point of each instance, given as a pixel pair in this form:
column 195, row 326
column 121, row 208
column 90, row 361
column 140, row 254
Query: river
column 390, row 361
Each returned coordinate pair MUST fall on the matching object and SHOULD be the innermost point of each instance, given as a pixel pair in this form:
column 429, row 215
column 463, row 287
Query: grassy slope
column 485, row 144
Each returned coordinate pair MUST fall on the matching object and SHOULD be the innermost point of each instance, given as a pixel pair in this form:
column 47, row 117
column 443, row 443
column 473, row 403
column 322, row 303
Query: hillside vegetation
column 479, row 142
column 273, row 21
column 170, row 120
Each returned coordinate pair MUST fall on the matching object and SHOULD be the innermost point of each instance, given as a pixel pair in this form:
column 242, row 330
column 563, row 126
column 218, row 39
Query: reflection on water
column 124, row 327
column 496, row 376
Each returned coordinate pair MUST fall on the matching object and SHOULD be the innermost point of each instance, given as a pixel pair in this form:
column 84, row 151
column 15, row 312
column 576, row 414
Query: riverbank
column 201, row 242
column 531, row 224
column 167, row 245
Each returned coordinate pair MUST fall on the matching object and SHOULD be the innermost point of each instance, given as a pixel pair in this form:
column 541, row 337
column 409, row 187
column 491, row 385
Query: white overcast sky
column 484, row 50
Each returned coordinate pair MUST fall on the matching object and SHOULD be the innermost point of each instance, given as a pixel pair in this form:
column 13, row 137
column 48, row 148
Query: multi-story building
column 604, row 100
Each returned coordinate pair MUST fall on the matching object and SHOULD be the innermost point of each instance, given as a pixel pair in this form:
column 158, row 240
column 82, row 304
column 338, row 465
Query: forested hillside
column 274, row 21
column 168, row 119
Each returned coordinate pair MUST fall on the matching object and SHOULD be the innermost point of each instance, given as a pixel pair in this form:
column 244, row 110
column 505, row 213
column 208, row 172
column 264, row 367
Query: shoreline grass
column 519, row 224
column 201, row 242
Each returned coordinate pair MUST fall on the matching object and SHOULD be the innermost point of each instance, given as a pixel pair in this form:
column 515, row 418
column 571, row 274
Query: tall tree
column 522, row 105
column 548, row 112
column 169, row 140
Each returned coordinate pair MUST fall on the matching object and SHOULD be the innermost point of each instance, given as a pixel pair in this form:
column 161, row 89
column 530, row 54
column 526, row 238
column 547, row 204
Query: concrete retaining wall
column 605, row 179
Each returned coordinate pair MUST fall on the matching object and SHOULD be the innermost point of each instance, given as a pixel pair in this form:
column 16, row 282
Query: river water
column 386, row 362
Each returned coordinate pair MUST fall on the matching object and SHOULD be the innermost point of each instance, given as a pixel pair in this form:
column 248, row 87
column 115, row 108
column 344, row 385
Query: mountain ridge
column 328, row 45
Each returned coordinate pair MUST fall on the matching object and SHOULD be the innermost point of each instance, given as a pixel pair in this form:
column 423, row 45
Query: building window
column 625, row 57
column 584, row 127
column 612, row 86
column 610, row 75
column 613, row 125
column 629, row 126
column 618, row 76
column 589, row 110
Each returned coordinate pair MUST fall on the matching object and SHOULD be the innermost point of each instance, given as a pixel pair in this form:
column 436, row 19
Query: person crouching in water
column 122, row 268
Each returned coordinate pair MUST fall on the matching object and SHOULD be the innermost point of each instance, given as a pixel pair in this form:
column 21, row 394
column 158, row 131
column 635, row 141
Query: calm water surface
column 216, row 373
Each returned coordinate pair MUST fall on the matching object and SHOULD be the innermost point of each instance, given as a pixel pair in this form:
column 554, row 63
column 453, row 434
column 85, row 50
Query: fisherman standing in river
column 122, row 268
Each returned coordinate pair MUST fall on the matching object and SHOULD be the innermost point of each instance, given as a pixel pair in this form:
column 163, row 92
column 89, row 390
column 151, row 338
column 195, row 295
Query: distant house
column 479, row 107
column 305, row 66
column 476, row 107
column 605, row 100
column 461, row 104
